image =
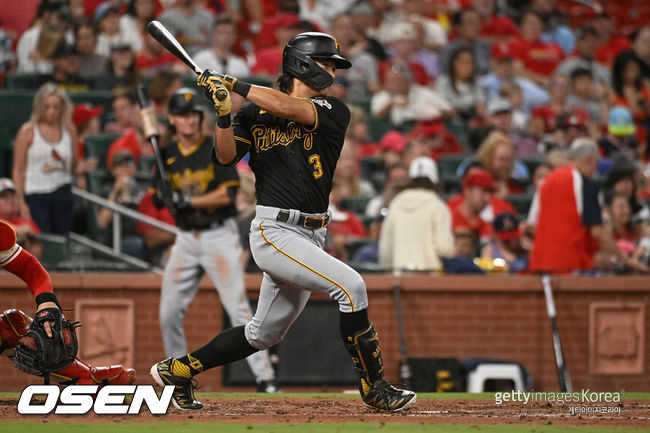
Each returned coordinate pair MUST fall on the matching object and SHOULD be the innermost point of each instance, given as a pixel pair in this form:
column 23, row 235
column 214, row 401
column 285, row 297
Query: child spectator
column 506, row 244
column 621, row 133
column 582, row 96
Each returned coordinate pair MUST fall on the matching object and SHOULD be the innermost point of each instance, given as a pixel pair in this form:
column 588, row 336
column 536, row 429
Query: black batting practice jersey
column 195, row 172
column 293, row 163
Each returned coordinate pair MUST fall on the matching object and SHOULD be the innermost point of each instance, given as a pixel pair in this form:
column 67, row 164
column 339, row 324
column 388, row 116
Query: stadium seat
column 447, row 165
column 94, row 97
column 371, row 164
column 21, row 81
column 15, row 109
column 361, row 103
column 521, row 202
column 355, row 204
column 378, row 127
column 97, row 146
column 55, row 250
column 532, row 162
column 146, row 163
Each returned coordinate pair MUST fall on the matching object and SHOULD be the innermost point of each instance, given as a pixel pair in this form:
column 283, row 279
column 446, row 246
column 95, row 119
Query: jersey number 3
column 318, row 167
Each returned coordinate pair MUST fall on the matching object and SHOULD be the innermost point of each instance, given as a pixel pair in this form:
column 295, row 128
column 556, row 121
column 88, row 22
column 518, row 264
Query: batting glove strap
column 224, row 122
column 240, row 87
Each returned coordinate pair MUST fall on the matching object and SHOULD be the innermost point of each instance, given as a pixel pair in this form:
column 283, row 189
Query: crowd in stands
column 482, row 139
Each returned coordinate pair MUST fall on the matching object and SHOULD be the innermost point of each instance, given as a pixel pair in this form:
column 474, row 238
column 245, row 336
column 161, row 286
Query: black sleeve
column 591, row 214
column 332, row 115
column 242, row 131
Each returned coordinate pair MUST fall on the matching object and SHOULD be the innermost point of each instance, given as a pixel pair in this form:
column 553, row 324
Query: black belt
column 306, row 221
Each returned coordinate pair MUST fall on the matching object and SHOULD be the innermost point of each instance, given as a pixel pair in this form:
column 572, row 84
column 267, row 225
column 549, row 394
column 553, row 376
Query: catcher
column 46, row 346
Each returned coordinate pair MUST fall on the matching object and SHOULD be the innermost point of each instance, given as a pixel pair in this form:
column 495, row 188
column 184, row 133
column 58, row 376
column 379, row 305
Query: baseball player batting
column 203, row 206
column 15, row 324
column 294, row 137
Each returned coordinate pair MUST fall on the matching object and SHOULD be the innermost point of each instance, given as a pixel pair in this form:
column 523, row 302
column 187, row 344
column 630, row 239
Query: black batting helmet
column 183, row 101
column 302, row 51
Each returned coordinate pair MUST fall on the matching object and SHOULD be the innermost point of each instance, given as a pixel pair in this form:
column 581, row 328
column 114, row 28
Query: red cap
column 392, row 140
column 84, row 112
column 288, row 20
column 480, row 178
column 501, row 51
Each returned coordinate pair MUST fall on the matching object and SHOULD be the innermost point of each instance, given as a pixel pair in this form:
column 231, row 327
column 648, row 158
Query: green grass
column 213, row 427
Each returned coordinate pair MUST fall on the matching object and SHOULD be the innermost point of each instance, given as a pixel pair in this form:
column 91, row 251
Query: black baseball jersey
column 195, row 172
column 293, row 163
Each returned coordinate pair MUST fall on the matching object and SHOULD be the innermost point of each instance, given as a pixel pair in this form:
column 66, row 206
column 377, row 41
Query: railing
column 119, row 211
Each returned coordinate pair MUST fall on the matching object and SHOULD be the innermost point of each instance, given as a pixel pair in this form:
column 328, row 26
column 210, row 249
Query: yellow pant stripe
column 306, row 266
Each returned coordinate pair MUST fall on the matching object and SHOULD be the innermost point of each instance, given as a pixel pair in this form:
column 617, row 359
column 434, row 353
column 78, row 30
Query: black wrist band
column 47, row 297
column 241, row 88
column 223, row 122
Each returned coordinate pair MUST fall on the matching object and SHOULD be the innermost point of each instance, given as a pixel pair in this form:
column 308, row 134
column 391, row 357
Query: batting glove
column 209, row 79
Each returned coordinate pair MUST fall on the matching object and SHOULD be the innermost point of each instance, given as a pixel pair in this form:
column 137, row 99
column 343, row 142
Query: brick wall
column 444, row 316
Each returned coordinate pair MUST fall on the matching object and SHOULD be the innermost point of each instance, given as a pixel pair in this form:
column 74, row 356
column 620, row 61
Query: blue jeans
column 52, row 212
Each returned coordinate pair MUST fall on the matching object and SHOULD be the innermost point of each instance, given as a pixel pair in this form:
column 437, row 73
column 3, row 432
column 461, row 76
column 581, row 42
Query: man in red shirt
column 478, row 187
column 535, row 59
column 567, row 217
column 14, row 323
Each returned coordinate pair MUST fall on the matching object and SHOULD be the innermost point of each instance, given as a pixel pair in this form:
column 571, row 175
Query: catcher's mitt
column 38, row 354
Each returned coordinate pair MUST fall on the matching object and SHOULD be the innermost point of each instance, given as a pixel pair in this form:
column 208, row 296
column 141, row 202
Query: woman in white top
column 45, row 159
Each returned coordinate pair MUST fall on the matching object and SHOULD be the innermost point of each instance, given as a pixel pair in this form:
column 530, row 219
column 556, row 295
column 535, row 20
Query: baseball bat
column 404, row 369
column 150, row 131
column 167, row 40
column 562, row 372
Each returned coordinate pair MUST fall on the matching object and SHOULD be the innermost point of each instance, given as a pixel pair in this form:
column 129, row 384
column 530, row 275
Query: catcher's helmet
column 302, row 51
column 183, row 101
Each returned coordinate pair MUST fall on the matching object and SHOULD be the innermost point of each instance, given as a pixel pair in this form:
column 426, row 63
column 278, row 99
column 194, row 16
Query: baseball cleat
column 382, row 395
column 183, row 396
column 268, row 386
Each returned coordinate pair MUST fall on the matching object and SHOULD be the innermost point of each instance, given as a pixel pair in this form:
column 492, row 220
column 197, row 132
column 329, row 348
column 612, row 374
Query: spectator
column 610, row 44
column 388, row 14
column 347, row 173
column 322, row 13
column 190, row 23
column 86, row 121
column 641, row 50
column 478, row 187
column 219, row 55
column 629, row 87
column 161, row 87
column 66, row 70
column 268, row 61
column 584, row 58
column 618, row 216
column 506, row 244
column 107, row 20
column 555, row 29
column 363, row 76
column 582, row 96
column 45, row 161
column 92, row 64
column 402, row 46
column 459, row 86
column 122, row 69
column 402, row 101
column 497, row 155
column 124, row 109
column 356, row 135
column 622, row 179
column 642, row 252
column 391, row 147
column 502, row 117
column 567, row 217
column 534, row 58
column 503, row 73
column 495, row 28
column 543, row 119
column 416, row 233
column 36, row 45
column 126, row 191
column 133, row 22
column 246, row 202
column 468, row 24
column 154, row 57
column 156, row 241
column 621, row 133
column 396, row 177
column 134, row 141
column 513, row 95
column 345, row 227
column 25, row 228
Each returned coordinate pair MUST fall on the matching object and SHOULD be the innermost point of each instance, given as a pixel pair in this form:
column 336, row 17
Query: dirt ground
column 631, row 413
